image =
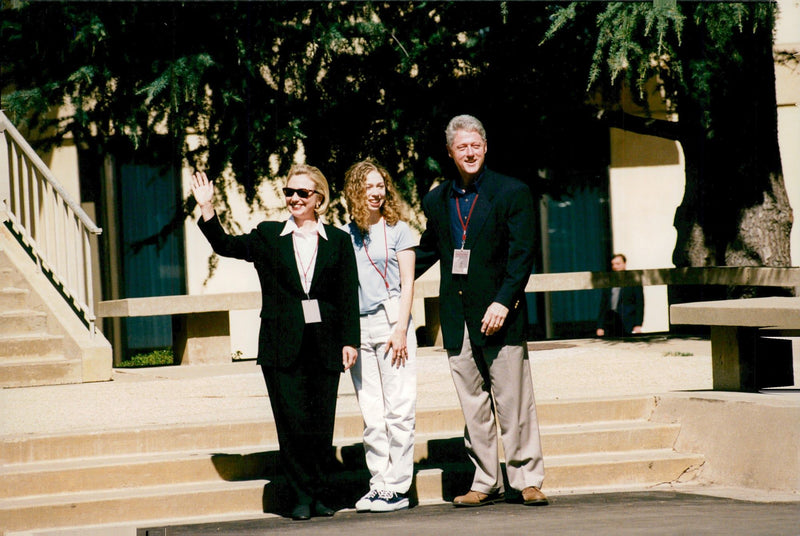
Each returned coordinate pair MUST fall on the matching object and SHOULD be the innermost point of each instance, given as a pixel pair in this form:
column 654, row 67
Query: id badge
column 392, row 308
column 311, row 311
column 460, row 261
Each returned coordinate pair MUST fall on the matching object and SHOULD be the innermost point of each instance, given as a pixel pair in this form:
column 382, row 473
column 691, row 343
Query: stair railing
column 44, row 217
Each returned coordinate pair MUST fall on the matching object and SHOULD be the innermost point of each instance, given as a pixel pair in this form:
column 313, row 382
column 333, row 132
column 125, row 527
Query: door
column 151, row 248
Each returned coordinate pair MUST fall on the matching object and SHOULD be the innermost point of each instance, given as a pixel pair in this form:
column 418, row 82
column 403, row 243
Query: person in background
column 621, row 308
column 385, row 373
column 480, row 229
column 309, row 323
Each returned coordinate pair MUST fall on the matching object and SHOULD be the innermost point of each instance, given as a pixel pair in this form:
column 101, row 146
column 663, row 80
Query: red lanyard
column 385, row 273
column 464, row 224
column 305, row 270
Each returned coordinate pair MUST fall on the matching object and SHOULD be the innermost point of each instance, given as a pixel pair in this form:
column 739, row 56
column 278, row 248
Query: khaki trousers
column 498, row 379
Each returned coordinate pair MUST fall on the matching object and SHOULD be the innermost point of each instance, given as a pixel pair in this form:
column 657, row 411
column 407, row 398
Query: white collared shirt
column 305, row 249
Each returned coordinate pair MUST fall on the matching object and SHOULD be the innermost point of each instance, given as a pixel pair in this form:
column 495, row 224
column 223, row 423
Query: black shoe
column 301, row 512
column 320, row 510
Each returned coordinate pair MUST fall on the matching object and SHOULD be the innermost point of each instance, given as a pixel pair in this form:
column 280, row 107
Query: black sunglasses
column 302, row 193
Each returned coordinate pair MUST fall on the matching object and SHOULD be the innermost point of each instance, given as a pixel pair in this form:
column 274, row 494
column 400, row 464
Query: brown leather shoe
column 477, row 498
column 533, row 496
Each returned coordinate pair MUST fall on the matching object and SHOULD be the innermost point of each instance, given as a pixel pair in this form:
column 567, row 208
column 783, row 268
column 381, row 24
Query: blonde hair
column 320, row 184
column 355, row 180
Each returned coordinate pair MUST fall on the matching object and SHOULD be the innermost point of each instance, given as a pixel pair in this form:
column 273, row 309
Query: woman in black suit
column 309, row 322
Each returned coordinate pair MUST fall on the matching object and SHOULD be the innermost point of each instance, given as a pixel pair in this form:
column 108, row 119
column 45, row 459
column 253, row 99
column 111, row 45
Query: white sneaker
column 389, row 501
column 364, row 504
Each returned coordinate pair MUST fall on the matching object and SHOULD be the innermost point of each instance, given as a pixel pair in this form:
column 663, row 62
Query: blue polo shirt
column 465, row 198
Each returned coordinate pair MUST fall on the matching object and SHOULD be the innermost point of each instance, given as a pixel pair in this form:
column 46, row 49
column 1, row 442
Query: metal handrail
column 52, row 225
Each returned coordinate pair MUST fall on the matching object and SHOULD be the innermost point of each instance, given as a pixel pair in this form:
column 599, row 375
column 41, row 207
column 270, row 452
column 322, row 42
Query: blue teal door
column 578, row 239
column 152, row 250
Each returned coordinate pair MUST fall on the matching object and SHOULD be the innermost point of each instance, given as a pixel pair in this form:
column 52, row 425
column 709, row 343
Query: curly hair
column 355, row 195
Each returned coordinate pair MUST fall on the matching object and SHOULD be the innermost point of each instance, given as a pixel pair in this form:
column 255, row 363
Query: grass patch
column 678, row 354
column 155, row 358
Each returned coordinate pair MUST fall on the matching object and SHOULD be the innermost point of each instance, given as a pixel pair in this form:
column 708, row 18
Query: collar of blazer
column 324, row 253
column 490, row 186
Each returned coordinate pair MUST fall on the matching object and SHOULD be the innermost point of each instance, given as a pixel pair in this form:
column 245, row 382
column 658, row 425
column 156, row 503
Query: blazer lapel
column 483, row 206
column 286, row 253
column 443, row 215
column 324, row 252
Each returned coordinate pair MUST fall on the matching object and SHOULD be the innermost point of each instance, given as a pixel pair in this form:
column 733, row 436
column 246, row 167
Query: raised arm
column 203, row 192
column 239, row 247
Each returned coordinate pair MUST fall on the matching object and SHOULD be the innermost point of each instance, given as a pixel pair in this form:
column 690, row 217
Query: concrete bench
column 201, row 325
column 743, row 359
column 201, row 331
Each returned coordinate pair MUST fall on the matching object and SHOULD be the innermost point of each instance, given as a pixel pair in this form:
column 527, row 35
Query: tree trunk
column 735, row 210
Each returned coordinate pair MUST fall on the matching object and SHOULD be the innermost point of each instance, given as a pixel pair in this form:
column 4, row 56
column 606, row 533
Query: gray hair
column 463, row 122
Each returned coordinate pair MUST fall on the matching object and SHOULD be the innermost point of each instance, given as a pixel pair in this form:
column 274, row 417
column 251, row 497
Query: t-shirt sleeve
column 404, row 238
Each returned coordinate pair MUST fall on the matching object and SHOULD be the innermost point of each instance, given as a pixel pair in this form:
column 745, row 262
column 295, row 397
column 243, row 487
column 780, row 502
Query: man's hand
column 494, row 318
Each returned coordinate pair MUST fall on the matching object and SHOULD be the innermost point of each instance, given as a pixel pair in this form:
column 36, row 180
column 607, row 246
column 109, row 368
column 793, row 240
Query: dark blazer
column 334, row 285
column 501, row 241
column 630, row 307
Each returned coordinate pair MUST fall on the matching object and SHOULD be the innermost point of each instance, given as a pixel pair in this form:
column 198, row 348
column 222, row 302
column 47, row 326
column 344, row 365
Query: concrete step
column 624, row 468
column 23, row 287
column 254, row 462
column 22, row 322
column 20, row 347
column 133, row 505
column 573, row 473
column 144, row 474
column 171, row 438
column 607, row 436
column 10, row 276
column 29, row 355
column 112, row 472
column 31, row 371
column 12, row 298
column 256, row 496
column 589, row 410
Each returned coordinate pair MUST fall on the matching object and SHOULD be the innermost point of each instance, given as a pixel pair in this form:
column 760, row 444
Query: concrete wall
column 646, row 183
column 748, row 440
column 787, row 89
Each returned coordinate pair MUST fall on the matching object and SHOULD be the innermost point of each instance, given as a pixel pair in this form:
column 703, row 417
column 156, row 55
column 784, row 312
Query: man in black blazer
column 621, row 308
column 480, row 228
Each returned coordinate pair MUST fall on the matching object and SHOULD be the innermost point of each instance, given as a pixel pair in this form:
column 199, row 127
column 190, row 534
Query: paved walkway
column 236, row 392
column 615, row 514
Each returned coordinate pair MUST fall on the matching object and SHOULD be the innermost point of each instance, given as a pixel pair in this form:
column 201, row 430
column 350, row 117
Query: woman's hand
column 349, row 356
column 397, row 345
column 203, row 192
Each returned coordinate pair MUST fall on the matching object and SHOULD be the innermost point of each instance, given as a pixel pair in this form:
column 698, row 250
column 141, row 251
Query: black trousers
column 612, row 324
column 303, row 400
